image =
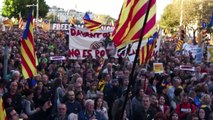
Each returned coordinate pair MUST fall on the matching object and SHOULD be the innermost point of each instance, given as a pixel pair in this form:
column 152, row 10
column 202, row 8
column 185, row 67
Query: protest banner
column 81, row 41
column 66, row 26
column 187, row 67
column 57, row 58
column 158, row 67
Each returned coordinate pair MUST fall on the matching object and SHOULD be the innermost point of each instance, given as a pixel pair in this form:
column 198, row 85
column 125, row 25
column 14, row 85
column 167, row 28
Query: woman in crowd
column 206, row 105
column 163, row 107
column 28, row 104
column 201, row 114
column 174, row 116
column 40, row 94
column 101, row 109
column 92, row 93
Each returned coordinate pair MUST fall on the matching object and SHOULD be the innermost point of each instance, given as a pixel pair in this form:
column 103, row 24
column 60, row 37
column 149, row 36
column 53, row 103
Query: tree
column 12, row 8
column 194, row 12
column 169, row 17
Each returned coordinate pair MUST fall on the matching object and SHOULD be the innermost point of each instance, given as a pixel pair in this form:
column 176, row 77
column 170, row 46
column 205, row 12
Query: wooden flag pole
column 131, row 77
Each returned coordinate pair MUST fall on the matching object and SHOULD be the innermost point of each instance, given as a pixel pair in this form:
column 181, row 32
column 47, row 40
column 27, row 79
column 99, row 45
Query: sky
column 107, row 7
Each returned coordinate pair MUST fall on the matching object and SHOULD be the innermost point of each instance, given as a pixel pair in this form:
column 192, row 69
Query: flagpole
column 5, row 62
column 131, row 77
column 181, row 13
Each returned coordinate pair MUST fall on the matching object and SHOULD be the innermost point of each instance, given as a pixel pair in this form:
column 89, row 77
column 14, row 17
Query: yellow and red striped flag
column 130, row 21
column 3, row 115
column 20, row 22
column 28, row 57
column 143, row 55
column 98, row 70
column 91, row 24
column 179, row 45
column 72, row 20
column 146, row 51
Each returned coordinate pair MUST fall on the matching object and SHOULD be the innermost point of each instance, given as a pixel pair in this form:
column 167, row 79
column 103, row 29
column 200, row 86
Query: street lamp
column 37, row 9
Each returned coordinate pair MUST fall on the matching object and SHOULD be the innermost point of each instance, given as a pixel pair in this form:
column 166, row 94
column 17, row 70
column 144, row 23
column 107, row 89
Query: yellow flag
column 3, row 115
column 8, row 22
column 211, row 40
column 46, row 25
column 72, row 20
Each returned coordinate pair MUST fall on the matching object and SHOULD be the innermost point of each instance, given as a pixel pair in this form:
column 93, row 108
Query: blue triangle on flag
column 86, row 16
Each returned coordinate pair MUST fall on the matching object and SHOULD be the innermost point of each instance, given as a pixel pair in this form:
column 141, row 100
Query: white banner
column 190, row 48
column 187, row 67
column 83, row 43
column 57, row 58
column 66, row 26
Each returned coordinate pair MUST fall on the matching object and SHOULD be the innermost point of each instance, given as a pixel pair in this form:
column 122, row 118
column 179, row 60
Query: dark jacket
column 141, row 114
column 74, row 107
column 16, row 101
column 84, row 116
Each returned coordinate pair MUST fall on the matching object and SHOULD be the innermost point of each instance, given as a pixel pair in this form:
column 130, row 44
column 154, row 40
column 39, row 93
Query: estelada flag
column 91, row 24
column 28, row 56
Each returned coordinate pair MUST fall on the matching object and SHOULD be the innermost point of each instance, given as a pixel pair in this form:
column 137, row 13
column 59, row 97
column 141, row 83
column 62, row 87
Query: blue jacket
column 84, row 116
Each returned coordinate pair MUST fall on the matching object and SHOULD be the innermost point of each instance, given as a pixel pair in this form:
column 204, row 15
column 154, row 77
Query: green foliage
column 194, row 12
column 169, row 17
column 12, row 8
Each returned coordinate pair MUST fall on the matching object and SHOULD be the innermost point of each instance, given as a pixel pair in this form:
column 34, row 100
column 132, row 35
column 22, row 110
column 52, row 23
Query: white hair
column 15, row 72
column 88, row 101
column 73, row 116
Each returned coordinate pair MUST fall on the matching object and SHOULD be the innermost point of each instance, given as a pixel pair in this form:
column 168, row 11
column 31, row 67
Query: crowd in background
column 71, row 90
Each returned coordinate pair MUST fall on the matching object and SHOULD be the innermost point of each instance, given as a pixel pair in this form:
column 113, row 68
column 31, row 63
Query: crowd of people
column 71, row 89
